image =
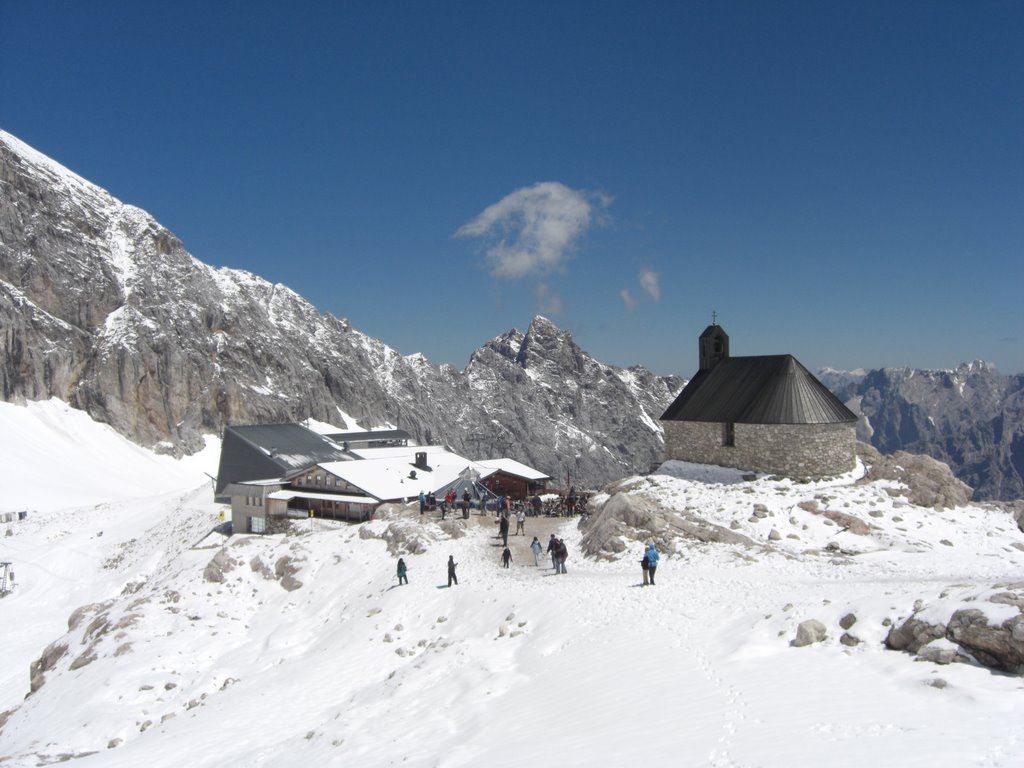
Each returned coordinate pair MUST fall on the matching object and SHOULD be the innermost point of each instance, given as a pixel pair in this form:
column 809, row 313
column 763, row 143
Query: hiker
column 402, row 578
column 645, row 567
column 570, row 502
column 452, row 579
column 536, row 548
column 506, row 558
column 499, row 510
column 449, row 501
column 563, row 554
column 537, row 504
column 423, row 502
column 503, row 528
column 652, row 561
column 553, row 551
column 465, row 504
column 520, row 522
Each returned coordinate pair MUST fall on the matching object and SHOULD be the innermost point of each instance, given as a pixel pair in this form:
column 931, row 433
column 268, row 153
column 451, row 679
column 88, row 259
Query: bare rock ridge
column 971, row 418
column 104, row 308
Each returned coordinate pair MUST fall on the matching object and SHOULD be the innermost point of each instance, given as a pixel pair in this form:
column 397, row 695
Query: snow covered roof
column 513, row 467
column 407, row 452
column 389, row 479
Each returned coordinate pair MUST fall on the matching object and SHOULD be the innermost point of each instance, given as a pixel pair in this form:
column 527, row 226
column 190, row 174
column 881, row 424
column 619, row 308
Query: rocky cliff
column 971, row 418
column 102, row 307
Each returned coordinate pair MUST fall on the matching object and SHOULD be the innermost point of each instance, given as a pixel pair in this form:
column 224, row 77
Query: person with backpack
column 506, row 558
column 520, row 522
column 402, row 570
column 645, row 567
column 652, row 561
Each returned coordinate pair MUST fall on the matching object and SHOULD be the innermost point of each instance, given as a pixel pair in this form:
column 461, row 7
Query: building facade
column 762, row 413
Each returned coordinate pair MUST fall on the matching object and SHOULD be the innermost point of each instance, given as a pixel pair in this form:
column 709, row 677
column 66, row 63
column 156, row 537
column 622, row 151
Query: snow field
column 510, row 667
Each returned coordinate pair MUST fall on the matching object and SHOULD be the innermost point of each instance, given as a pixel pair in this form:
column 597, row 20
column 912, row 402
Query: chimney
column 421, row 460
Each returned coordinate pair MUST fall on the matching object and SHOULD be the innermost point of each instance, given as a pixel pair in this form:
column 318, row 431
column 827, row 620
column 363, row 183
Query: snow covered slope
column 302, row 650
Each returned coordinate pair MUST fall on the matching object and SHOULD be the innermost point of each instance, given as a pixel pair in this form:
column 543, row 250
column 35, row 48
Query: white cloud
column 649, row 282
column 627, row 299
column 532, row 231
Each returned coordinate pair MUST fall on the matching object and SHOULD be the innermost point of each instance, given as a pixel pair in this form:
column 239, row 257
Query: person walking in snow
column 645, row 567
column 423, row 502
column 452, row 578
column 553, row 551
column 465, row 504
column 652, row 561
column 563, row 555
column 520, row 522
column 503, row 529
column 506, row 558
column 536, row 548
column 402, row 579
column 537, row 503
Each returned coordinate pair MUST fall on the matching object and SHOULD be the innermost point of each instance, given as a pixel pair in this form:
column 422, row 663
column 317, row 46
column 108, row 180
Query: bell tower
column 713, row 345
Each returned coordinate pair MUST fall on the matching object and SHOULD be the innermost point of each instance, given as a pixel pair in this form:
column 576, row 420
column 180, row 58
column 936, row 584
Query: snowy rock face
column 986, row 626
column 971, row 418
column 102, row 307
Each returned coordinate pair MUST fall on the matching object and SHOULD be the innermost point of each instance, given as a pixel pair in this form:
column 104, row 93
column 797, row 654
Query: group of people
column 504, row 521
column 569, row 506
column 429, row 501
column 559, row 554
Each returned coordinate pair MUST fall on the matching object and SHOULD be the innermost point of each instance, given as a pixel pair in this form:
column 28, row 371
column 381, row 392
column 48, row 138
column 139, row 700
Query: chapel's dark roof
column 765, row 389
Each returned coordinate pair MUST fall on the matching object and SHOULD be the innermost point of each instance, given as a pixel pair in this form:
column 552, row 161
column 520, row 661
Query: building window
column 729, row 435
column 257, row 524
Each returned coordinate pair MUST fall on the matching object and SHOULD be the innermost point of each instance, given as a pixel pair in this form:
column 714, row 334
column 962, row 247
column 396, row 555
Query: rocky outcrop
column 987, row 627
column 102, row 307
column 928, row 483
column 625, row 517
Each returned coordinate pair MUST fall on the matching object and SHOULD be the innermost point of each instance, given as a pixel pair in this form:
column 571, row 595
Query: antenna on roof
column 714, row 317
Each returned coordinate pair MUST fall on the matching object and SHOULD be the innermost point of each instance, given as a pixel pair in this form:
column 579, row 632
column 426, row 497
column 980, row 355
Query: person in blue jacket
column 652, row 561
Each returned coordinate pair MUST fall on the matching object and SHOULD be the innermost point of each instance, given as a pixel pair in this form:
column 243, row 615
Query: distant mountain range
column 102, row 307
column 971, row 418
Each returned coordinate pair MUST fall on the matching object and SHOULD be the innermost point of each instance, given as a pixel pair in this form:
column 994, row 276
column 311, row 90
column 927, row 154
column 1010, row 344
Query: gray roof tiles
column 765, row 389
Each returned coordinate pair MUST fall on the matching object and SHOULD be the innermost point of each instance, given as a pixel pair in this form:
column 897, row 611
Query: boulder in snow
column 809, row 632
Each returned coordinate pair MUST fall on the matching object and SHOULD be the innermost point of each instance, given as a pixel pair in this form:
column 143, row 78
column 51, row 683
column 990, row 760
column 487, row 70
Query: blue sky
column 839, row 181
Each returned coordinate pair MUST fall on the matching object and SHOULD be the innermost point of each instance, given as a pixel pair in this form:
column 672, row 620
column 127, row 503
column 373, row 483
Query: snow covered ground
column 509, row 668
